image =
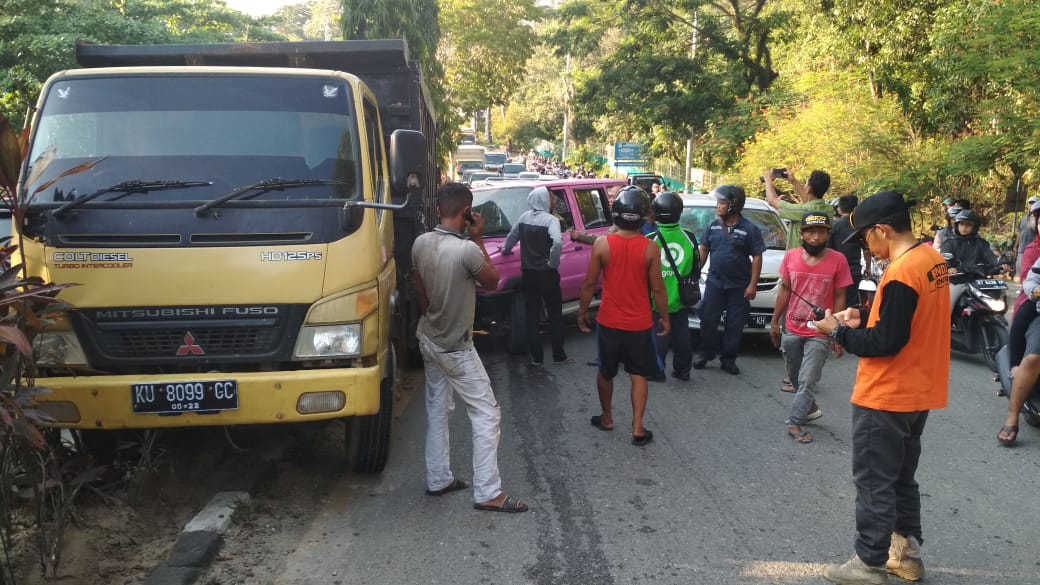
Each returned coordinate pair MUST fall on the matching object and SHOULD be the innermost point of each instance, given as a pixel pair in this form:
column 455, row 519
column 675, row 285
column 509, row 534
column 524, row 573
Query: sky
column 258, row 7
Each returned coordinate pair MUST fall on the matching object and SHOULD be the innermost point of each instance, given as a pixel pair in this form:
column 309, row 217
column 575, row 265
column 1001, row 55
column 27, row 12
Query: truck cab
column 235, row 233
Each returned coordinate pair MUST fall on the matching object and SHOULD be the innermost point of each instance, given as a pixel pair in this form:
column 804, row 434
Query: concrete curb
column 202, row 537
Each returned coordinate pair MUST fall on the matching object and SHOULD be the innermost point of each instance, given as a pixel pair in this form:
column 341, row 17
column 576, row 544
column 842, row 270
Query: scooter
column 1031, row 409
column 977, row 322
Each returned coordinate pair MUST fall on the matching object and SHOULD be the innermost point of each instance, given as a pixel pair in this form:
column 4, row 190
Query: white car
column 699, row 211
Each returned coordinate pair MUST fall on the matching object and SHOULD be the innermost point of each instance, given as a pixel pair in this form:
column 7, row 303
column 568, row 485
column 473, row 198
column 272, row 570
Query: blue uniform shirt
column 730, row 250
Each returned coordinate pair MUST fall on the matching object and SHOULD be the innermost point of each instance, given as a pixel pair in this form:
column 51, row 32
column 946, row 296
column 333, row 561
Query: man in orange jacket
column 904, row 372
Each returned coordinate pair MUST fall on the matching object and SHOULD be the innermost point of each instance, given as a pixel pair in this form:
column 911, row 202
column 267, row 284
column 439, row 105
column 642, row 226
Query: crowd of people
column 644, row 276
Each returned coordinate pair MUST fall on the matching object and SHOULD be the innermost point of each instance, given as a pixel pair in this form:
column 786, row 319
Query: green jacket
column 795, row 212
column 683, row 246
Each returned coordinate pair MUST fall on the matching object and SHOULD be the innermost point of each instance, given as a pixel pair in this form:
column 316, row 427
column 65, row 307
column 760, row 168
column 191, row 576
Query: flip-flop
column 1011, row 431
column 648, row 436
column 597, row 421
column 803, row 437
column 456, row 485
column 510, row 505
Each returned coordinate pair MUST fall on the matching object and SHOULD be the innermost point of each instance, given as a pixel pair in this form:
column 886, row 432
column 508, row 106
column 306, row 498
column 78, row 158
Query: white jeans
column 463, row 372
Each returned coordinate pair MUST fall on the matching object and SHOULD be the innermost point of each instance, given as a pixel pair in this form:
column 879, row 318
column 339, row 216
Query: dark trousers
column 852, row 291
column 543, row 286
column 717, row 299
column 678, row 340
column 886, row 447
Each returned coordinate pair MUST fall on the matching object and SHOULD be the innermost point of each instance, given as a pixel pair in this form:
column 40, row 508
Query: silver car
column 699, row 212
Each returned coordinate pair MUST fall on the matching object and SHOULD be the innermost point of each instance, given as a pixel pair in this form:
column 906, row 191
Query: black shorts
column 637, row 349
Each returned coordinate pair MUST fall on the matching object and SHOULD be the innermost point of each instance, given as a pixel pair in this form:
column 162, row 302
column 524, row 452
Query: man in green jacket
column 810, row 199
column 682, row 249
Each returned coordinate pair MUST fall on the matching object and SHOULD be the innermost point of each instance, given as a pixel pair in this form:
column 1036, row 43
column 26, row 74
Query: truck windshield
column 228, row 129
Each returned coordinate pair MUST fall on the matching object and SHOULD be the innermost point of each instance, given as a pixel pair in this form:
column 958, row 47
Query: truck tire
column 367, row 437
column 516, row 335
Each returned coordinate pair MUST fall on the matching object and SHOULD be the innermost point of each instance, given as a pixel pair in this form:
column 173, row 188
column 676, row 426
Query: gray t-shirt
column 448, row 264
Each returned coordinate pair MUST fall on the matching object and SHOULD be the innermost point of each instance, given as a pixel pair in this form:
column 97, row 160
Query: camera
column 818, row 313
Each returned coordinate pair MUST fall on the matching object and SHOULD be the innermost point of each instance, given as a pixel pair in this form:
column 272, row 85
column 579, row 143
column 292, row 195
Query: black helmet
column 631, row 205
column 969, row 216
column 732, row 194
column 667, row 207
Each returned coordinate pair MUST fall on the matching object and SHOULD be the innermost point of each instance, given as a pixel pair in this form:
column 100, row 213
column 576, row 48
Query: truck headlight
column 58, row 348
column 329, row 341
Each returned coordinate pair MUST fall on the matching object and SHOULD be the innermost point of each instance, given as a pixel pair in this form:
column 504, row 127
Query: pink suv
column 581, row 204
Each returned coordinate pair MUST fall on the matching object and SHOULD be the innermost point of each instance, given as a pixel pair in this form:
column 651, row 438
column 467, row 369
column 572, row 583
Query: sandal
column 597, row 421
column 1010, row 433
column 642, row 441
column 799, row 435
column 509, row 505
column 454, row 486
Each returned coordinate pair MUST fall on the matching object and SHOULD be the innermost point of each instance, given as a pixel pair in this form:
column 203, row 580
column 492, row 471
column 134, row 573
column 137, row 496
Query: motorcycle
column 1031, row 409
column 977, row 322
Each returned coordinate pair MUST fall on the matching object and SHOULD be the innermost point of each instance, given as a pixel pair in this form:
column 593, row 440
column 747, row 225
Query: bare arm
column 771, row 196
column 783, row 296
column 487, row 278
column 600, row 254
column 703, row 253
column 799, row 188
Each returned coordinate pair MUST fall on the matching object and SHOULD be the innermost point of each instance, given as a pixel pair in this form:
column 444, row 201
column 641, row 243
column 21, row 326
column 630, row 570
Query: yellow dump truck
column 241, row 240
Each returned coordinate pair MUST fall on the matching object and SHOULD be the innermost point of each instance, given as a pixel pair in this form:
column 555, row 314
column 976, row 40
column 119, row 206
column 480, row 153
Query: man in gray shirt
column 448, row 265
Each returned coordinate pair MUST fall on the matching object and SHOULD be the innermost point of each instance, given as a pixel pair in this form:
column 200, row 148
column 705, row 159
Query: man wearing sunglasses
column 904, row 371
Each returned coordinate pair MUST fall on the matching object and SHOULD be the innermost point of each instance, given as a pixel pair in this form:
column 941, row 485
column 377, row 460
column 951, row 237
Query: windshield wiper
column 263, row 187
column 128, row 187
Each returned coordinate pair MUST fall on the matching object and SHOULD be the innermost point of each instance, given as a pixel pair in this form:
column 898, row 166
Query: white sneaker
column 904, row 558
column 855, row 572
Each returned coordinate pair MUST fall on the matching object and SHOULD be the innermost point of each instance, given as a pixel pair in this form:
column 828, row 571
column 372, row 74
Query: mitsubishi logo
column 190, row 347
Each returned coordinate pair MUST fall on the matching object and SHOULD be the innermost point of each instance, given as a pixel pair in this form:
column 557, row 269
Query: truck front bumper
column 105, row 402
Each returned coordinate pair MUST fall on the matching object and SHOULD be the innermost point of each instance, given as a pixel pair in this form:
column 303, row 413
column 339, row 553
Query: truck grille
column 166, row 342
column 185, row 337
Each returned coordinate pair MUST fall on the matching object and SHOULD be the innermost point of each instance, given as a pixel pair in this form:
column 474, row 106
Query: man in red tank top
column 631, row 265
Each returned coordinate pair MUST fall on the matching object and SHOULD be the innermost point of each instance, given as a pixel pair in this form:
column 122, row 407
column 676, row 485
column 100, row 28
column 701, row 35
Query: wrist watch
column 837, row 331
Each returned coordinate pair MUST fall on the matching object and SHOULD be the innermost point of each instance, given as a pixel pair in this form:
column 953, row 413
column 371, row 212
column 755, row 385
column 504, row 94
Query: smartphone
column 468, row 216
column 779, row 173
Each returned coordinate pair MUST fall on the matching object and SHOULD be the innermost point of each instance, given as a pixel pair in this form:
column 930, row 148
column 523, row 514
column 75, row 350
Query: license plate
column 177, row 397
column 758, row 321
column 991, row 284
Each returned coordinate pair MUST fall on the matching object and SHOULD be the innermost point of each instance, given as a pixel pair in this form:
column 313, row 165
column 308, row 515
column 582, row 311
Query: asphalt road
column 721, row 496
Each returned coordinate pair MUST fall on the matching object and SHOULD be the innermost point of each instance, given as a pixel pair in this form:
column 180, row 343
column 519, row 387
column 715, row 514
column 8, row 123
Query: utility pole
column 566, row 105
column 689, row 141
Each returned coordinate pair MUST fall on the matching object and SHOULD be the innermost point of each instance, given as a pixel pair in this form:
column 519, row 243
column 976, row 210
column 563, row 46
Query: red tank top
column 626, row 293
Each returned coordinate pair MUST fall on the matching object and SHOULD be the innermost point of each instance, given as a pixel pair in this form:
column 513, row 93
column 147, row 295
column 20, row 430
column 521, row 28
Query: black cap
column 815, row 219
column 881, row 207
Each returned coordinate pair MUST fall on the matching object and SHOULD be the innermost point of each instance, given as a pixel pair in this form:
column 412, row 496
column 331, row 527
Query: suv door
column 586, row 211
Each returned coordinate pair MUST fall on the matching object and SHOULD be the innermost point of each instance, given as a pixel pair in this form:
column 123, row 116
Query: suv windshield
column 232, row 130
column 501, row 207
column 696, row 218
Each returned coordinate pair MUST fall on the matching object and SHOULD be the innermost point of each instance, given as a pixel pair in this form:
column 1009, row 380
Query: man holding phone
column 810, row 196
column 449, row 262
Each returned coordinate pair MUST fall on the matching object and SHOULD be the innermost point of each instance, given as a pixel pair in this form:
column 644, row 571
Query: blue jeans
column 804, row 358
column 886, row 447
column 716, row 300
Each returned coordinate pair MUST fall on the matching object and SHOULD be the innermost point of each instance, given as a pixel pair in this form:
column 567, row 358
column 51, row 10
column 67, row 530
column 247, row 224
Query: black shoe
column 730, row 368
column 684, row 377
column 699, row 363
column 658, row 378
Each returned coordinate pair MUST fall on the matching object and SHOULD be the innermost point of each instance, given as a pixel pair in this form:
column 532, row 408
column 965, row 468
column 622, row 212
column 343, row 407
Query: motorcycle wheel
column 994, row 337
column 1032, row 420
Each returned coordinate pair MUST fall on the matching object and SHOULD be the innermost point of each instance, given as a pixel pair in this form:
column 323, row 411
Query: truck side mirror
column 407, row 163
